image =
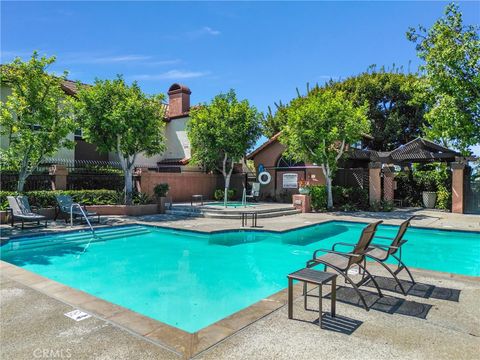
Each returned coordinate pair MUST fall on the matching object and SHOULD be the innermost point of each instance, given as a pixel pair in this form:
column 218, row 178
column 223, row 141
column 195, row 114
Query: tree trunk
column 227, row 185
column 22, row 177
column 329, row 192
column 328, row 181
column 128, row 173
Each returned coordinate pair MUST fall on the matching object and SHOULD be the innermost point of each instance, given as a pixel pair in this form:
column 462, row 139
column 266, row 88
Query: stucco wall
column 184, row 185
column 268, row 157
column 178, row 145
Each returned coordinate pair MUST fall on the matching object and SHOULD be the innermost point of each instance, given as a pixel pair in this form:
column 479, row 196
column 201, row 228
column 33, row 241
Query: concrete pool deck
column 32, row 320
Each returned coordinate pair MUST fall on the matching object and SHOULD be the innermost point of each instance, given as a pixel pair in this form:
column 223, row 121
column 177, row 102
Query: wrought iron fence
column 354, row 177
column 40, row 181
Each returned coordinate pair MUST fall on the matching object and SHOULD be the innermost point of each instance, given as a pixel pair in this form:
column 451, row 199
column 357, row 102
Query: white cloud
column 204, row 31
column 163, row 62
column 121, row 59
column 171, row 75
column 94, row 59
column 208, row 30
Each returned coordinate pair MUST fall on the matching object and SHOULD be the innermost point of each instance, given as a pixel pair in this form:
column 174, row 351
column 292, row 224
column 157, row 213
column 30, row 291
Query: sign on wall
column 290, row 181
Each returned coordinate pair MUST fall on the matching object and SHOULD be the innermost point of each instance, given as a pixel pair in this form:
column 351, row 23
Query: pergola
column 416, row 151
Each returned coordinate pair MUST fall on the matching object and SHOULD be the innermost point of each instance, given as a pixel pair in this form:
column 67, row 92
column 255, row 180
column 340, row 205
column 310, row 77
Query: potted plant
column 161, row 191
column 429, row 195
column 303, row 188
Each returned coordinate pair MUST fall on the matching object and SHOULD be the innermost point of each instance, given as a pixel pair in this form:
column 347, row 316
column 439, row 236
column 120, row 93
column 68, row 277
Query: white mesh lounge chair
column 64, row 204
column 254, row 192
column 20, row 210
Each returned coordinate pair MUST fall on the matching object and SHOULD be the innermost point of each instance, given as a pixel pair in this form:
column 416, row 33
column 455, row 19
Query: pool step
column 74, row 238
column 261, row 215
column 264, row 213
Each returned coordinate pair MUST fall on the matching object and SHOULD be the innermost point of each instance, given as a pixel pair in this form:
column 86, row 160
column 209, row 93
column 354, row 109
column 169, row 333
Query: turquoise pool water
column 190, row 280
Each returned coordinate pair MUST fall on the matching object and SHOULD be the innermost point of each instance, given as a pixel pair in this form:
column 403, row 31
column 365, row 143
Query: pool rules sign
column 290, row 181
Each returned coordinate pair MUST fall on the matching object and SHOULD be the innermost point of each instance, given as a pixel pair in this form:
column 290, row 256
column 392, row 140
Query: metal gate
column 472, row 191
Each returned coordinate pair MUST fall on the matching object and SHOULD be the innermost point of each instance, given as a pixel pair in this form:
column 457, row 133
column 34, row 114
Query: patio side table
column 246, row 214
column 196, row 199
column 315, row 277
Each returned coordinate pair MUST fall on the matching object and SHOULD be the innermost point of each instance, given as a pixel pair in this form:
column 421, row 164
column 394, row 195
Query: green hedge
column 344, row 198
column 219, row 194
column 45, row 199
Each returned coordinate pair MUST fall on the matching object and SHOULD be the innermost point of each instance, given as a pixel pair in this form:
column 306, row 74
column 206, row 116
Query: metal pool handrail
column 84, row 215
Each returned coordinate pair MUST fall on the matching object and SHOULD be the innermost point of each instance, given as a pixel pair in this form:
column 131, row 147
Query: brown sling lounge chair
column 341, row 262
column 380, row 253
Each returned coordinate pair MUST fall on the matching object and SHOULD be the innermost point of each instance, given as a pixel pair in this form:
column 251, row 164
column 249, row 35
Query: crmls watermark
column 40, row 353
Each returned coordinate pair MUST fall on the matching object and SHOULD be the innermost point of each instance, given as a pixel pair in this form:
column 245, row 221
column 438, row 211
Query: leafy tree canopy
column 320, row 127
column 394, row 119
column 273, row 122
column 122, row 119
column 35, row 118
column 451, row 54
column 222, row 132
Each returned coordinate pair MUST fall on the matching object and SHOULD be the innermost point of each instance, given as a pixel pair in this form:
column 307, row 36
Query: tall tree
column 451, row 54
column 122, row 119
column 274, row 121
column 35, row 117
column 319, row 129
column 394, row 118
column 222, row 132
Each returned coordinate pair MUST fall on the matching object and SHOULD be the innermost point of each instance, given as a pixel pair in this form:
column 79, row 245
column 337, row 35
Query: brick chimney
column 178, row 101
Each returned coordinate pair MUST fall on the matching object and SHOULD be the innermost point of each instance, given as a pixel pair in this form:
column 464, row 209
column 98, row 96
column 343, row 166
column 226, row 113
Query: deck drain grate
column 77, row 315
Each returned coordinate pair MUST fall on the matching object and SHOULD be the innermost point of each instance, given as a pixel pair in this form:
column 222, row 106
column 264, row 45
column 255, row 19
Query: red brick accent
column 458, row 173
column 389, row 186
column 302, row 202
column 178, row 101
column 375, row 182
column 59, row 175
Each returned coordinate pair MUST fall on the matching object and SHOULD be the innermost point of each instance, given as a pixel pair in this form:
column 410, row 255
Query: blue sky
column 262, row 50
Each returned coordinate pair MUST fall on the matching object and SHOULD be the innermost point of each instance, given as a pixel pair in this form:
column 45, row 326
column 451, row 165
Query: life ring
column 264, row 178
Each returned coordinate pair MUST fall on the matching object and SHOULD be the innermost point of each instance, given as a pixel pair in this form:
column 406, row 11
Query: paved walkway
column 33, row 323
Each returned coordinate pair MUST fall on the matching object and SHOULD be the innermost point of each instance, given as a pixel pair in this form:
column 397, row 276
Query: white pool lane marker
column 77, row 315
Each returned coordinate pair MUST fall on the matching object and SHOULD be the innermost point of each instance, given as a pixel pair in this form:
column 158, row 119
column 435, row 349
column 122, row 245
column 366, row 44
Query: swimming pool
column 190, row 280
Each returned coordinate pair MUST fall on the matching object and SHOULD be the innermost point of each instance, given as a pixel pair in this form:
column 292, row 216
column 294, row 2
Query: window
column 285, row 162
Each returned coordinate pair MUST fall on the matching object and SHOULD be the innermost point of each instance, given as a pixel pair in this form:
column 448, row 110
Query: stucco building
column 176, row 155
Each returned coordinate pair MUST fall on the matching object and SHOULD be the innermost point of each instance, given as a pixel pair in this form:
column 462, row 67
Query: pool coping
column 179, row 341
column 136, row 222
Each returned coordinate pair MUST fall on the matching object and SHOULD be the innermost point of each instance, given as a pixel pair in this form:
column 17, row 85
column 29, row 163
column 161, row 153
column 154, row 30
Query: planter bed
column 127, row 210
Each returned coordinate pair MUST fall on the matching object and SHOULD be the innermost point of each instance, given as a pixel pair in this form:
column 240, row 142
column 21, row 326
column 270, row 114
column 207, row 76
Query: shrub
column 428, row 177
column 318, row 197
column 140, row 198
column 344, row 198
column 45, row 199
column 161, row 190
column 219, row 194
column 384, row 206
column 444, row 199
